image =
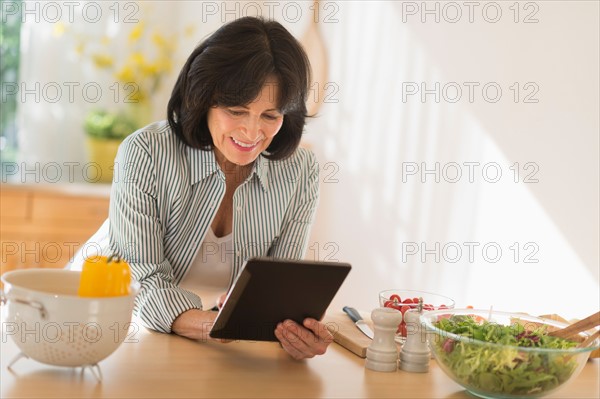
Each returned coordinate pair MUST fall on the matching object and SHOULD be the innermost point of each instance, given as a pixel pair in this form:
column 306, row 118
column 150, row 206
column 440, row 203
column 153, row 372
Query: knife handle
column 353, row 313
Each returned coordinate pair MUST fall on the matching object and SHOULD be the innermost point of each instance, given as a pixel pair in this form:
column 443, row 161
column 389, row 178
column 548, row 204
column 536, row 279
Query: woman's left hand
column 303, row 342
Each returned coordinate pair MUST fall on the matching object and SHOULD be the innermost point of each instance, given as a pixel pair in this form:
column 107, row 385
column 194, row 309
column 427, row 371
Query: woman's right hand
column 195, row 324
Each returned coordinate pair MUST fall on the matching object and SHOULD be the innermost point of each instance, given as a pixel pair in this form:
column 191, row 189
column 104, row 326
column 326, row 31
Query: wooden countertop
column 155, row 365
column 94, row 190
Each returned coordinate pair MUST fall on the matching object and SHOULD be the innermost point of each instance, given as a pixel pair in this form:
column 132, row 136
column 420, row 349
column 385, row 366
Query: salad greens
column 508, row 369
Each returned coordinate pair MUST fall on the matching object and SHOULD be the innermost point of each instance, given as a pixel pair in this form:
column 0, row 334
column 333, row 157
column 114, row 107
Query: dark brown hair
column 230, row 68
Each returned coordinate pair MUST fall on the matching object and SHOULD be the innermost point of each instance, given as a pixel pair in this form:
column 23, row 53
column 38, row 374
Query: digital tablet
column 269, row 291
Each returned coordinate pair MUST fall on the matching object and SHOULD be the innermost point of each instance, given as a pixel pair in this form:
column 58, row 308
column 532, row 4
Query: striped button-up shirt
column 164, row 197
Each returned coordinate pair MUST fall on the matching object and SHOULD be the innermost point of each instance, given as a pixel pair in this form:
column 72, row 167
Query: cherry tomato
column 404, row 308
column 395, row 298
column 407, row 300
column 403, row 331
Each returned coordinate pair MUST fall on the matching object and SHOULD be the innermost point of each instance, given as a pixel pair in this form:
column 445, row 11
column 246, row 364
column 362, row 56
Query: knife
column 358, row 321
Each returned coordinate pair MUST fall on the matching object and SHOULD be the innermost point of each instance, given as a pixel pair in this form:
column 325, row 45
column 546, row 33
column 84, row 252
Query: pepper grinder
column 415, row 353
column 382, row 354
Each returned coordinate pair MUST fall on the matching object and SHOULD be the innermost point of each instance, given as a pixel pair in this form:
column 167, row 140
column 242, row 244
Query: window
column 9, row 73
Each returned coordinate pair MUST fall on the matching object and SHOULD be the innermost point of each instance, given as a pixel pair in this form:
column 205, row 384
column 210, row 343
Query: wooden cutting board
column 346, row 334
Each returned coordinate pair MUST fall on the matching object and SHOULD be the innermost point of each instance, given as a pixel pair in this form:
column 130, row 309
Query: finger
column 286, row 344
column 319, row 329
column 315, row 344
column 298, row 336
column 303, row 339
column 221, row 300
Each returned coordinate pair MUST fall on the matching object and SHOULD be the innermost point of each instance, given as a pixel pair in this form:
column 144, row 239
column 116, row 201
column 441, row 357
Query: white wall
column 372, row 134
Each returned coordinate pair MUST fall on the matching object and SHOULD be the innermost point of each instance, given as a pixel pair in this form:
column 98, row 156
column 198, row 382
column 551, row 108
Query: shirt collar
column 203, row 164
column 261, row 169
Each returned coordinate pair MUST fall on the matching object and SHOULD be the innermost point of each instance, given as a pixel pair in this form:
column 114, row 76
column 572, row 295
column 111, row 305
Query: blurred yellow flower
column 125, row 74
column 148, row 70
column 136, row 33
column 147, row 62
column 137, row 96
column 189, row 30
column 163, row 64
column 102, row 61
column 80, row 48
column 159, row 40
column 164, row 44
column 59, row 29
column 140, row 63
column 136, row 58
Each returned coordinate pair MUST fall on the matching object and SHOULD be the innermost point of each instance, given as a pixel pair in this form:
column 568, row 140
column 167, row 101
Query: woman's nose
column 252, row 129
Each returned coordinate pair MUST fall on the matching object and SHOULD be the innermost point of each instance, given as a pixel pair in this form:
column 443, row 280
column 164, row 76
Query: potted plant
column 105, row 131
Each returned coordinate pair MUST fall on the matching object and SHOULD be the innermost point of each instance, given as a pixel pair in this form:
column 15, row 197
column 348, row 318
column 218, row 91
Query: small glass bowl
column 430, row 302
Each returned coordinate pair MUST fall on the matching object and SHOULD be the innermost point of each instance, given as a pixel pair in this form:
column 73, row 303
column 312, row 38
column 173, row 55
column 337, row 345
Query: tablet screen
column 269, row 291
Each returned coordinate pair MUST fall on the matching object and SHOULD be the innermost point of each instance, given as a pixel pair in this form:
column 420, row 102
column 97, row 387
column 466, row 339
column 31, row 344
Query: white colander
column 50, row 323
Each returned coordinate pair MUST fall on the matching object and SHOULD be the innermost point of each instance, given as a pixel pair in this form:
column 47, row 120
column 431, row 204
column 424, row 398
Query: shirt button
column 238, row 253
column 239, row 208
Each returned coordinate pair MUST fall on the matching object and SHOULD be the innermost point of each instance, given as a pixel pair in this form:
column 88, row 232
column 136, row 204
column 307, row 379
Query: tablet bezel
column 253, row 306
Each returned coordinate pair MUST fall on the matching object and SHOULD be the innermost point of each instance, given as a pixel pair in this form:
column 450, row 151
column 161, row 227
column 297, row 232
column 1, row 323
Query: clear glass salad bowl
column 501, row 354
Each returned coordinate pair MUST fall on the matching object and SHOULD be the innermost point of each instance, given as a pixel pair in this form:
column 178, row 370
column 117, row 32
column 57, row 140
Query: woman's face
column 241, row 133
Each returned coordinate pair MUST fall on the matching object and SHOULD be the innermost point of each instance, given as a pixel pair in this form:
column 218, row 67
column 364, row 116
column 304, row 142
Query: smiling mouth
column 243, row 145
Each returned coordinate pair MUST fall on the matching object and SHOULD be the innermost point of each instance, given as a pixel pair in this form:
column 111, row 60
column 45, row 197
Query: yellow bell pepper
column 102, row 277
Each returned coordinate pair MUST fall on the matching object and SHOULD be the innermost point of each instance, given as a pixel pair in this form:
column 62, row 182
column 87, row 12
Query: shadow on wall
column 543, row 56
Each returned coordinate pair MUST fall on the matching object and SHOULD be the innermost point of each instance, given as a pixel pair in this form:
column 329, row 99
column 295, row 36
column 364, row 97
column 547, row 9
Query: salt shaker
column 415, row 353
column 382, row 354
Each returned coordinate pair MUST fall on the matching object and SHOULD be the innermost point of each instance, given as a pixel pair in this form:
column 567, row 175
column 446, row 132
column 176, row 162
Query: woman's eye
column 271, row 117
column 235, row 112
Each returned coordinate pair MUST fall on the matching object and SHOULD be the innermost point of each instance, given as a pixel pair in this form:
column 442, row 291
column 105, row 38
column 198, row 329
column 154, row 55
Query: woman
column 222, row 181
